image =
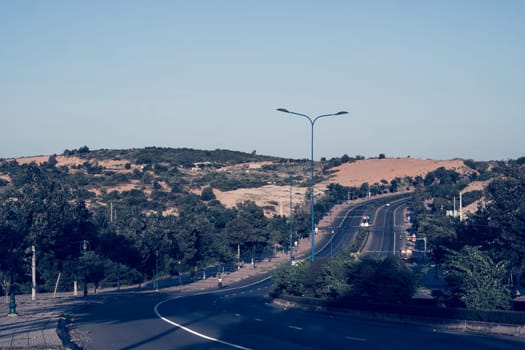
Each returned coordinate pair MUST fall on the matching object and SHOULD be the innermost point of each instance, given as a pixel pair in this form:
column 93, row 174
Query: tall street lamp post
column 312, row 164
column 291, row 223
column 157, row 270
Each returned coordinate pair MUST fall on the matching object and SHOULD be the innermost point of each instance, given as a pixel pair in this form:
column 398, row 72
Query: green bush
column 290, row 280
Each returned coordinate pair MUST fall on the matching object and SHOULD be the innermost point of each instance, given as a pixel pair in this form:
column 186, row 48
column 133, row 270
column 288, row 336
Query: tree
column 12, row 238
column 364, row 189
column 345, row 158
column 207, row 193
column 291, row 279
column 238, row 231
column 475, row 279
column 336, row 274
column 254, row 216
column 83, row 150
column 382, row 281
column 314, row 282
column 394, row 184
column 498, row 227
column 119, row 248
column 90, row 269
column 43, row 213
column 279, row 231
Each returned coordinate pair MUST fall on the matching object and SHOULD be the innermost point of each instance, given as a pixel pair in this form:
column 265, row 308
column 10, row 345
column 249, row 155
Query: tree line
column 481, row 256
column 125, row 237
column 98, row 245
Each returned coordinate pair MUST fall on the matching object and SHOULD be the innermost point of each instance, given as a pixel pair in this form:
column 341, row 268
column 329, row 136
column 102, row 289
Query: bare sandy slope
column 475, row 186
column 73, row 161
column 37, row 159
column 375, row 170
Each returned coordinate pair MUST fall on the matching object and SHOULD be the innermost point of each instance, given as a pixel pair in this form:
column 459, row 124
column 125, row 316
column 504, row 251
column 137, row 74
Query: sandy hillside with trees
column 276, row 199
column 348, row 174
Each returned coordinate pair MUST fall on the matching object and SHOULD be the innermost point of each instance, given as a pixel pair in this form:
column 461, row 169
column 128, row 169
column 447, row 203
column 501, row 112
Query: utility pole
column 460, row 206
column 157, row 270
column 33, row 273
column 85, row 246
column 291, row 224
column 238, row 256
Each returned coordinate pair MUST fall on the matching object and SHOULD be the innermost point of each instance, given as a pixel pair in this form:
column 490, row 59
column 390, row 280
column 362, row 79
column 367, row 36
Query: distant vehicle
column 388, row 204
column 365, row 221
column 298, row 261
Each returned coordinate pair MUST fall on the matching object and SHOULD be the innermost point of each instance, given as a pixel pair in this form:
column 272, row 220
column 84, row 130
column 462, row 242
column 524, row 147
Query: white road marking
column 189, row 330
column 204, row 336
column 354, row 338
column 295, row 327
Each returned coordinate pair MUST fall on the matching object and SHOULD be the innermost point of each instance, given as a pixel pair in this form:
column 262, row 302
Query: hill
column 158, row 173
column 153, row 179
column 108, row 212
column 234, row 176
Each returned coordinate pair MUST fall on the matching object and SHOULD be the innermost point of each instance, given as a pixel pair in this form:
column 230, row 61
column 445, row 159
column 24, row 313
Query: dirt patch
column 27, row 160
column 375, row 170
column 275, row 199
column 133, row 185
column 71, row 161
column 476, row 186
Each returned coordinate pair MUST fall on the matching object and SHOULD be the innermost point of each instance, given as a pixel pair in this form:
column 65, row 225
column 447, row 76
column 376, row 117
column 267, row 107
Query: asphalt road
column 345, row 227
column 243, row 318
column 387, row 226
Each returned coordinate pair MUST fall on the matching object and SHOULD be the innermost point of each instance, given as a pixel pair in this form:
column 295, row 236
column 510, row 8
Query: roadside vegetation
column 112, row 216
column 345, row 277
column 480, row 255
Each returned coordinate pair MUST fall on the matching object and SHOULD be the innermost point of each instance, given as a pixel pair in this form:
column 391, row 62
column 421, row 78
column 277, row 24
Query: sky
column 426, row 79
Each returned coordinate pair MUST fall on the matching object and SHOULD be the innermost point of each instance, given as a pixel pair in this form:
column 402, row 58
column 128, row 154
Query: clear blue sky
column 427, row 79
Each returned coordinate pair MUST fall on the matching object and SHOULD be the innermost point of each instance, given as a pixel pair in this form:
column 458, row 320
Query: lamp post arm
column 328, row 115
column 321, row 116
column 300, row 114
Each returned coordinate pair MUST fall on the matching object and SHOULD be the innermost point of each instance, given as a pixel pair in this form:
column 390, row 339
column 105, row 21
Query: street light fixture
column 312, row 123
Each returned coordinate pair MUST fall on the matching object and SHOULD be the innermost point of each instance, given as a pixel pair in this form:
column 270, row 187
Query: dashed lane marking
column 354, row 338
column 295, row 327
